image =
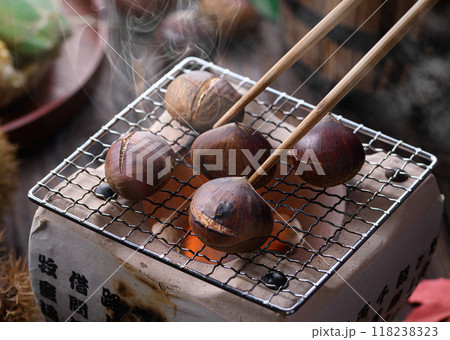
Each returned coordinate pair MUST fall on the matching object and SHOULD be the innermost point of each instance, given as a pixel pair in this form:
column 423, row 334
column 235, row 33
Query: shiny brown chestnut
column 199, row 98
column 227, row 214
column 232, row 18
column 234, row 149
column 329, row 154
column 139, row 164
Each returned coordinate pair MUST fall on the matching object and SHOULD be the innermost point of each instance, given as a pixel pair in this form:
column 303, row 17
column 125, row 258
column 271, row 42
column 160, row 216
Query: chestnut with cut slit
column 227, row 214
column 139, row 164
column 199, row 99
column 233, row 147
column 329, row 154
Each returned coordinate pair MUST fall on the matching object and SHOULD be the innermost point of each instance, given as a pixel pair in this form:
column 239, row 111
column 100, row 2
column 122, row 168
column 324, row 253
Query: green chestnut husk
column 32, row 29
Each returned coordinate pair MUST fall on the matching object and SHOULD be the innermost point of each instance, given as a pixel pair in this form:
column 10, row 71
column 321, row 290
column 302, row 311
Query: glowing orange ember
column 194, row 244
column 281, row 239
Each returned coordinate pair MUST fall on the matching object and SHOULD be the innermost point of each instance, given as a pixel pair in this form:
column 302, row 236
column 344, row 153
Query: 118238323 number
column 404, row 331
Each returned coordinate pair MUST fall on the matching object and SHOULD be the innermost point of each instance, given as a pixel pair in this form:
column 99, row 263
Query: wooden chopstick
column 381, row 48
column 295, row 53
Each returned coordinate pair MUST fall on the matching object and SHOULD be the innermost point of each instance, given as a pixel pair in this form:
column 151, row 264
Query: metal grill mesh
column 316, row 230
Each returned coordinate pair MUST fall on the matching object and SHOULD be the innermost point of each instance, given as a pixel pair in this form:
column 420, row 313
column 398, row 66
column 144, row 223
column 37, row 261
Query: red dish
column 62, row 93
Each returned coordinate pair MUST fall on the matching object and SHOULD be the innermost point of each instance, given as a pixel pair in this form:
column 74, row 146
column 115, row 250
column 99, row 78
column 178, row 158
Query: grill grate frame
column 306, row 275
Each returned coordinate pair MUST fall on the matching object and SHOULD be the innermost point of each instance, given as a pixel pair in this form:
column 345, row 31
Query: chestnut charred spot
column 219, row 215
column 224, row 210
column 204, row 221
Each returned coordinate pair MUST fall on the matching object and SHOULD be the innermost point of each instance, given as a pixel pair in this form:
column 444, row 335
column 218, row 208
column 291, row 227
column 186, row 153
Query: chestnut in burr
column 199, row 98
column 328, row 155
column 139, row 164
column 227, row 214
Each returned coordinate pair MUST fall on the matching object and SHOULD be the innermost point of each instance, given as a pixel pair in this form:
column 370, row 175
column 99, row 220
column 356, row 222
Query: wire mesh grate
column 315, row 232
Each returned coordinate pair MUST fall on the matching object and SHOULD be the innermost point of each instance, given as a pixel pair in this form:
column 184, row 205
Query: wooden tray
column 63, row 92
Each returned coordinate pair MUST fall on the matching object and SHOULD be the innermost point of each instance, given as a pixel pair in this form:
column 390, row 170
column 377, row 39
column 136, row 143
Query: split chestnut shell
column 138, row 164
column 227, row 214
column 199, row 99
column 329, row 154
column 232, row 150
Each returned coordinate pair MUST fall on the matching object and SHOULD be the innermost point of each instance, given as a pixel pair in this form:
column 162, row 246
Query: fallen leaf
column 433, row 297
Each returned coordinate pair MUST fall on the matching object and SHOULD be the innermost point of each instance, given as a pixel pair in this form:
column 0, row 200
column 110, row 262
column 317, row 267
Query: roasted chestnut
column 227, row 214
column 182, row 34
column 329, row 154
column 232, row 18
column 233, row 149
column 199, row 98
column 138, row 164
